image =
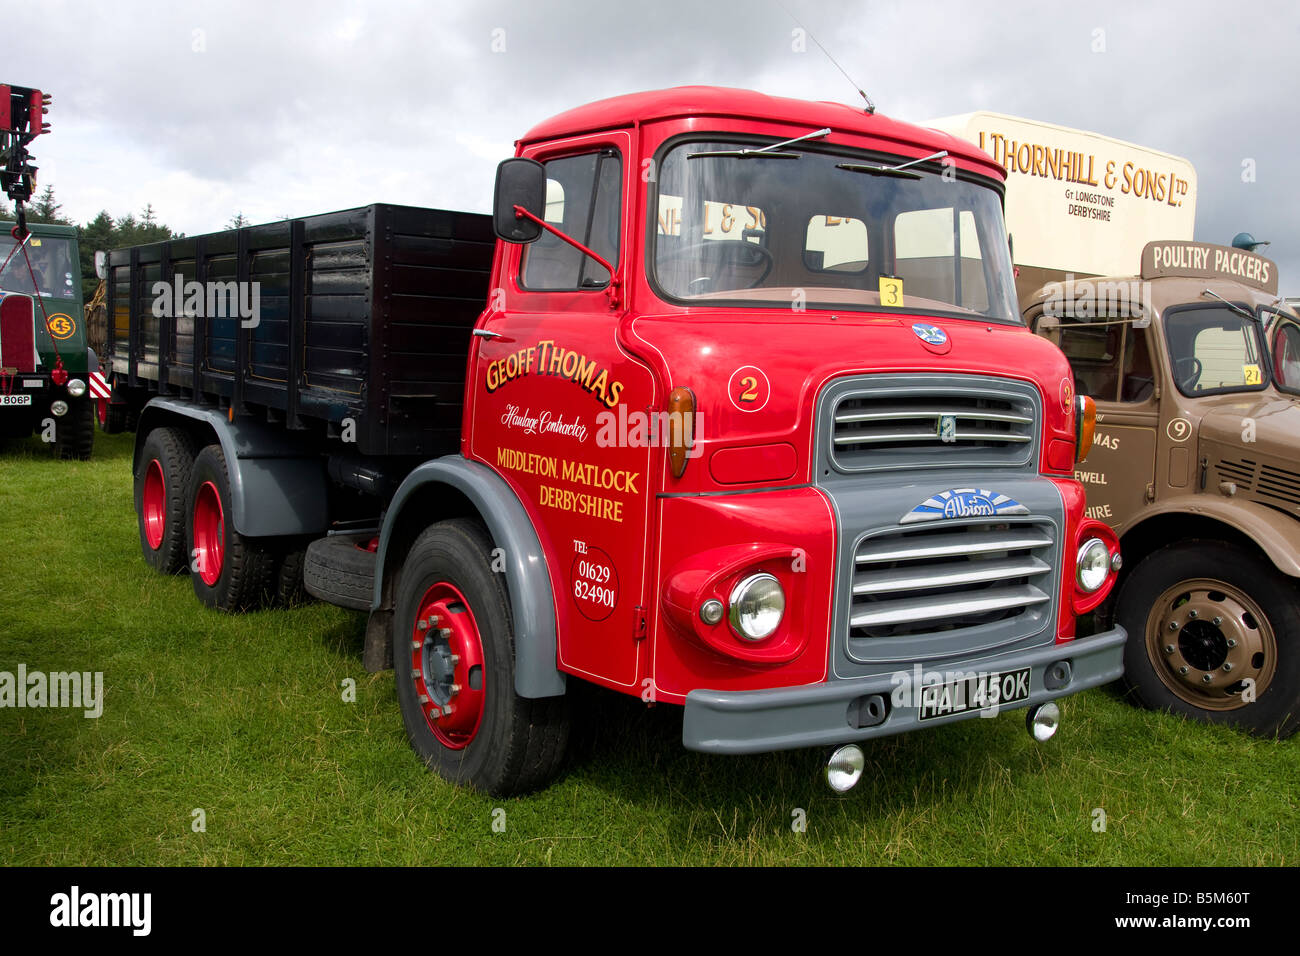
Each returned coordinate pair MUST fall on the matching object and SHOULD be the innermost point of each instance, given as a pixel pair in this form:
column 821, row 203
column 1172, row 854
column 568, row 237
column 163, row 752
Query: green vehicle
column 51, row 390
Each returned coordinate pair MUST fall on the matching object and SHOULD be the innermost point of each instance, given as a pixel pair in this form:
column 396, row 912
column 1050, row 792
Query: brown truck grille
column 1269, row 483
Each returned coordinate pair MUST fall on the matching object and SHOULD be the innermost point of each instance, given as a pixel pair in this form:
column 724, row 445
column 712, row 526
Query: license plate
column 15, row 400
column 976, row 691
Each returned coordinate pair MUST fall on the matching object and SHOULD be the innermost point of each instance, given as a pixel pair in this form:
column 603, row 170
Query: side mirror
column 520, row 182
column 101, row 264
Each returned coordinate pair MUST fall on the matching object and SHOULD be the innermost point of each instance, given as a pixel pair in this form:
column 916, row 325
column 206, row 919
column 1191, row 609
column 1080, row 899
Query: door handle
column 488, row 334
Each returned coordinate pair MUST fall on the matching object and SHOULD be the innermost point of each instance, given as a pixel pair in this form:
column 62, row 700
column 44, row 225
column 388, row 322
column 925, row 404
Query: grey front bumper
column 785, row 718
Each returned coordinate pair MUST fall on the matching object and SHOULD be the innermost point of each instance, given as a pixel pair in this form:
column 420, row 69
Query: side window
column 835, row 244
column 583, row 199
column 937, row 254
column 1286, row 357
column 1139, row 377
column 1093, row 351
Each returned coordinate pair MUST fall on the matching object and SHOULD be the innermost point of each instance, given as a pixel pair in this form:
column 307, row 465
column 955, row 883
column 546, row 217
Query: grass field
column 244, row 718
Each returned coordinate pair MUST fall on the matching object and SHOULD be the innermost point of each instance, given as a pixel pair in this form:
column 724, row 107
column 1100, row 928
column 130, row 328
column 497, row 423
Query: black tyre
column 289, row 590
column 1214, row 634
column 74, row 433
column 230, row 572
column 162, row 481
column 114, row 419
column 339, row 570
column 454, row 656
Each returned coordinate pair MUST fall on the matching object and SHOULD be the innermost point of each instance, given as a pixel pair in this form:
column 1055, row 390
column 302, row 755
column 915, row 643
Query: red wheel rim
column 153, row 504
column 447, row 666
column 209, row 533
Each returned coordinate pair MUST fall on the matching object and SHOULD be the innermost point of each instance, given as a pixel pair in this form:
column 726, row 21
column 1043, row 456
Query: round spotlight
column 757, row 605
column 1094, row 565
column 844, row 769
column 76, row 387
column 1043, row 720
column 59, row 407
column 711, row 611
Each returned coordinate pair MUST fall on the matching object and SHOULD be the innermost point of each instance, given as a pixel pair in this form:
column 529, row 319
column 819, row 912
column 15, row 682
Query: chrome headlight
column 1094, row 565
column 76, row 387
column 757, row 605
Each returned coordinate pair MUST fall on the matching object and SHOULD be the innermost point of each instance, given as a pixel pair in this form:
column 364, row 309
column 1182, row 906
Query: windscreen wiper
column 899, row 171
column 1232, row 305
column 764, row 152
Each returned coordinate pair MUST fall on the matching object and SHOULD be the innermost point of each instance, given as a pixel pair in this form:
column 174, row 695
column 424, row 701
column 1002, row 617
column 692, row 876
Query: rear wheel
column 74, row 433
column 454, row 657
column 230, row 572
column 161, row 484
column 114, row 418
column 1214, row 634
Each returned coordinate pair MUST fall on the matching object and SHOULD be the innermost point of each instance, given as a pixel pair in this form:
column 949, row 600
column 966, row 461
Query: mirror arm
column 613, row 290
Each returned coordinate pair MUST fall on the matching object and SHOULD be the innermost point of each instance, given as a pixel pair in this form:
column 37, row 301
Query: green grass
column 244, row 718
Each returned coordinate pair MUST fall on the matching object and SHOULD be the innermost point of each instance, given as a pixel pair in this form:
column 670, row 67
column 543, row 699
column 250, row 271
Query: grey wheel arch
column 276, row 487
column 528, row 582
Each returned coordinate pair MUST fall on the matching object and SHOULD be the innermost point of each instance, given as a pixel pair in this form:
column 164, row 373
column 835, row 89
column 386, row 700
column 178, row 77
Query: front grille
column 948, row 578
column 1270, row 483
column 934, row 424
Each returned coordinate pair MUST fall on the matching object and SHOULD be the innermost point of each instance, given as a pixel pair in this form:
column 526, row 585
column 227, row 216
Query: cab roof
column 1168, row 291
column 632, row 109
column 41, row 229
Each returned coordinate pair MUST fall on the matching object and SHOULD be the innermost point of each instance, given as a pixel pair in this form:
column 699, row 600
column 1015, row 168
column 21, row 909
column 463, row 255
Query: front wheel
column 74, row 434
column 1214, row 634
column 454, row 655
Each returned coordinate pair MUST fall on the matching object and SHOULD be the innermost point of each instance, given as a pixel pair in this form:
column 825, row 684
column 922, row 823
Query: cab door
column 552, row 388
column 1113, row 364
column 1284, row 343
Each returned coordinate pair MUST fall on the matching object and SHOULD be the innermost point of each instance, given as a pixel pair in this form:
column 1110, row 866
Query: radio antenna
column 871, row 107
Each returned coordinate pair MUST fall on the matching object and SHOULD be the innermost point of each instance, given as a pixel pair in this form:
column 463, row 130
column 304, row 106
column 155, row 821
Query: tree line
column 103, row 232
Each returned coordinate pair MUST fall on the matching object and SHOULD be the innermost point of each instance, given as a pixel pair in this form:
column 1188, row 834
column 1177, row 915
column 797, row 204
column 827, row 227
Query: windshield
column 51, row 261
column 1284, row 340
column 1214, row 349
column 818, row 230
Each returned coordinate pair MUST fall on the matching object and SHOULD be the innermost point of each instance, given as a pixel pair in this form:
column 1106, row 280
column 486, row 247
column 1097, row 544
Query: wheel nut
column 1193, row 613
column 1206, row 678
column 1169, row 648
column 444, row 632
column 1227, row 667
column 422, row 624
column 455, row 688
column 1183, row 669
column 416, row 644
column 446, row 710
column 1232, row 642
column 424, row 698
column 1173, row 625
column 435, row 712
column 415, row 672
column 455, row 659
column 1218, row 621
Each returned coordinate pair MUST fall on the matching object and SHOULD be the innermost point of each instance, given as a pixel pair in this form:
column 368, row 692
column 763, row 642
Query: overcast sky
column 284, row 108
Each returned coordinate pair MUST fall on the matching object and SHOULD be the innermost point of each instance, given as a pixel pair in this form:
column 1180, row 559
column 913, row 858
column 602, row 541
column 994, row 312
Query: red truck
column 749, row 425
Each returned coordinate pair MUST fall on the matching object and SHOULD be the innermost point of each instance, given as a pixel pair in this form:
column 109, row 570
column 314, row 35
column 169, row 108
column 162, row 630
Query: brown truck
column 1194, row 364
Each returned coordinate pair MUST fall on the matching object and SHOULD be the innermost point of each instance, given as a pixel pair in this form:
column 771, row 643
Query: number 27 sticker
column 749, row 388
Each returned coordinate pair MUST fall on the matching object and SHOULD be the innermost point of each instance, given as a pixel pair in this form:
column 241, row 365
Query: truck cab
column 1195, row 465
column 47, row 361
